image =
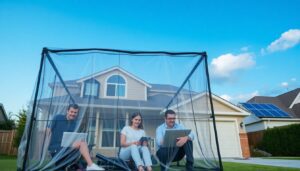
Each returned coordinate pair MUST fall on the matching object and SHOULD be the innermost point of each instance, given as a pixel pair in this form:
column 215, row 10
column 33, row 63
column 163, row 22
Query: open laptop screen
column 172, row 134
column 70, row 137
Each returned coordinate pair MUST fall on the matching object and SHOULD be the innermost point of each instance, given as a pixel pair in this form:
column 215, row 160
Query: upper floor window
column 116, row 86
column 91, row 88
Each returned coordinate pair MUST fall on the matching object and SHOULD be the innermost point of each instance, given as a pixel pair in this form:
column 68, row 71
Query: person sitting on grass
column 67, row 123
column 132, row 147
column 184, row 145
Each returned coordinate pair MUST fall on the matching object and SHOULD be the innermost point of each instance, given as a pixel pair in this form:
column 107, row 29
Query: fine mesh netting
column 109, row 86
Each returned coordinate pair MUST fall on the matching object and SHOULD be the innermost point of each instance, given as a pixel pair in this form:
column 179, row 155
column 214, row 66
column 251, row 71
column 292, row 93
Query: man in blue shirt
column 67, row 123
column 184, row 145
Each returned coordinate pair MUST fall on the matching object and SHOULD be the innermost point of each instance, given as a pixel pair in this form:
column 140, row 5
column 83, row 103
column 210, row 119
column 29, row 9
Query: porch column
column 97, row 129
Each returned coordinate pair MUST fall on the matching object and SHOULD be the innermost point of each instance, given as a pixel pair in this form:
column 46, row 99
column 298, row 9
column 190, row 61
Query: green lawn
column 9, row 163
column 228, row 166
column 283, row 158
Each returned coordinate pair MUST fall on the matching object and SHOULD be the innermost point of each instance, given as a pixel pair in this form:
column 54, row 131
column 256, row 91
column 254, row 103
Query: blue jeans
column 140, row 155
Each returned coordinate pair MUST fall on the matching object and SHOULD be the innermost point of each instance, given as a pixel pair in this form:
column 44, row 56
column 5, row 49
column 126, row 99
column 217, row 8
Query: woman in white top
column 131, row 146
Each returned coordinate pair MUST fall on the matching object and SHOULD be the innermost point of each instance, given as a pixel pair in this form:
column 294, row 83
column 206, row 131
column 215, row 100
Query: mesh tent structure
column 109, row 85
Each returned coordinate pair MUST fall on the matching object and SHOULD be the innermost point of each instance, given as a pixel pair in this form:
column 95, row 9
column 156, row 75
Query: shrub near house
column 282, row 141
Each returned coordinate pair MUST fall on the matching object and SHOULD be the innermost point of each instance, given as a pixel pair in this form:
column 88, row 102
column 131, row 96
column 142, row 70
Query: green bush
column 7, row 125
column 20, row 127
column 282, row 141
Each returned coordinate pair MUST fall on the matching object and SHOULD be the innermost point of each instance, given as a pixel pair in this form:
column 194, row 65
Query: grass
column 282, row 158
column 9, row 163
column 228, row 166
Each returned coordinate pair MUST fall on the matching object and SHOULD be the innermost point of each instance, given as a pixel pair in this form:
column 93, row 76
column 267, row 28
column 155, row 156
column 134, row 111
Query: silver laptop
column 171, row 136
column 70, row 137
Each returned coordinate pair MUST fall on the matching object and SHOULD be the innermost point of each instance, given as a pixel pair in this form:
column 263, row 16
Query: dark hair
column 73, row 105
column 169, row 112
column 135, row 115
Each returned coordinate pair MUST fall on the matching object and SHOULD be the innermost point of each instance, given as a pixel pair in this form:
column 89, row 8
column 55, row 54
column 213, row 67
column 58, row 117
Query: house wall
column 134, row 89
column 262, row 125
column 60, row 91
column 255, row 127
column 227, row 118
column 272, row 124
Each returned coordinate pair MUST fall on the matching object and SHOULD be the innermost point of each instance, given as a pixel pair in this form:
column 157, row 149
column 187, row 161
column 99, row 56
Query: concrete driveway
column 269, row 162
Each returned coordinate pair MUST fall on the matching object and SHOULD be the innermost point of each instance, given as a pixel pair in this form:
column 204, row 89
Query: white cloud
column 226, row 97
column 240, row 97
column 287, row 40
column 246, row 97
column 293, row 79
column 245, row 48
column 285, row 84
column 224, row 66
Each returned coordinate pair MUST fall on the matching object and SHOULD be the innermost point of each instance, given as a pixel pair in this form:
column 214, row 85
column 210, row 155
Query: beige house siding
column 60, row 91
column 134, row 89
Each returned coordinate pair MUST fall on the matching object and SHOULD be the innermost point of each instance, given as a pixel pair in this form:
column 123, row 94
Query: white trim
column 280, row 119
column 114, row 130
column 239, row 138
column 146, row 94
column 274, row 119
column 97, row 132
column 82, row 89
column 295, row 100
column 97, row 90
column 105, row 88
column 111, row 69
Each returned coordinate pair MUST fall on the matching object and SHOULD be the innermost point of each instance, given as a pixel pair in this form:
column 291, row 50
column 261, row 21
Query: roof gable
column 290, row 98
column 111, row 70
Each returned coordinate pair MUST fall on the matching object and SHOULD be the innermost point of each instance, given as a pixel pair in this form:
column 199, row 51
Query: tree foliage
column 9, row 124
column 20, row 127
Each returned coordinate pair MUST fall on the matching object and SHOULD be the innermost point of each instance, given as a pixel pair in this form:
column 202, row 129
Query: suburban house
column 135, row 94
column 3, row 116
column 269, row 112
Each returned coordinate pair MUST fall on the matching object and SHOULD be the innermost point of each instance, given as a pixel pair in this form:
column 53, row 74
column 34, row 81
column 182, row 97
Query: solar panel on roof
column 264, row 110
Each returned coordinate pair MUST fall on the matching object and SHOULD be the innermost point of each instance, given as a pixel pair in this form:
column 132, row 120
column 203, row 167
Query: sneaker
column 94, row 167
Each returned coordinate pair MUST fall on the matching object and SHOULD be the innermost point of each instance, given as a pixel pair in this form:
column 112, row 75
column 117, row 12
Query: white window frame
column 116, row 84
column 114, row 134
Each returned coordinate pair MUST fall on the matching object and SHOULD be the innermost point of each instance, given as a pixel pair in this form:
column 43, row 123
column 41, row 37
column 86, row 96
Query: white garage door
column 228, row 137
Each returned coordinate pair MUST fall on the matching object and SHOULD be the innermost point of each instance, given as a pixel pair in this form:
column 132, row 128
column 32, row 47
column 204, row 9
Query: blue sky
column 253, row 47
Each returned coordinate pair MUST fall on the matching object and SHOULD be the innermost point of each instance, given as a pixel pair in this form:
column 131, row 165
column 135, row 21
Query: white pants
column 140, row 155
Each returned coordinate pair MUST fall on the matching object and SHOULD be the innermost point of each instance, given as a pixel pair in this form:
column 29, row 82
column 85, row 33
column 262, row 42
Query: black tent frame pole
column 34, row 109
column 213, row 113
column 125, row 51
column 187, row 78
column 59, row 76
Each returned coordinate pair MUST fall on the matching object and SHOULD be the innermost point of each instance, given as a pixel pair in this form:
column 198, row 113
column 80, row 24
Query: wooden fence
column 254, row 138
column 6, row 142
